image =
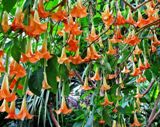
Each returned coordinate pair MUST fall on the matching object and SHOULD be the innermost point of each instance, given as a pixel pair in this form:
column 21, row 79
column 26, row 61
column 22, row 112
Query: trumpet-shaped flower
column 41, row 11
column 4, row 91
column 23, row 111
column 79, row 11
column 45, row 84
column 105, row 86
column 86, row 86
column 96, row 76
column 63, row 109
column 11, row 112
column 4, row 107
column 35, row 27
column 17, row 23
column 136, row 123
column 63, row 58
column 5, row 25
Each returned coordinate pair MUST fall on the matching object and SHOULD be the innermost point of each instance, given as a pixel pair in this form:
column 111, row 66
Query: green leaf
column 16, row 52
column 8, row 4
column 63, row 71
column 148, row 74
column 51, row 71
column 67, row 88
column 27, row 4
column 35, row 82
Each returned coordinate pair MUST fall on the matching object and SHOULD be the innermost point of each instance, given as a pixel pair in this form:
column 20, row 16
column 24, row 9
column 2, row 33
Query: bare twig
column 53, row 117
column 79, row 77
column 149, row 87
column 135, row 8
column 153, row 113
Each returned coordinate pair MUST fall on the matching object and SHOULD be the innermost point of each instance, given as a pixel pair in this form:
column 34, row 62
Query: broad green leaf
column 35, row 82
column 8, row 4
column 52, row 72
column 16, row 52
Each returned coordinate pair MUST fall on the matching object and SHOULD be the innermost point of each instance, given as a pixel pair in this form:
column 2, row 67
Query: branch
column 152, row 115
column 53, row 117
column 149, row 87
column 79, row 77
column 135, row 8
column 62, row 3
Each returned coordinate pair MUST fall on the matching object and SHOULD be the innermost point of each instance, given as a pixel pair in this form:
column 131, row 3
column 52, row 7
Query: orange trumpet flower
column 41, row 11
column 23, row 111
column 140, row 65
column 72, row 44
column 137, row 51
column 155, row 41
column 125, row 70
column 132, row 39
column 106, row 101
column 45, row 84
column 35, row 27
column 5, row 25
column 63, row 58
column 141, row 79
column 13, row 84
column 11, row 112
column 4, row 107
column 92, row 36
column 107, row 17
column 86, row 86
column 17, row 70
column 136, row 123
column 105, row 86
column 117, row 36
column 17, row 23
column 146, row 63
column 96, row 76
column 76, row 59
column 141, row 21
column 79, row 11
column 136, row 71
column 4, row 91
column 44, row 53
column 120, row 20
column 72, row 27
column 63, row 109
column 111, row 50
column 2, row 69
column 60, row 15
column 130, row 19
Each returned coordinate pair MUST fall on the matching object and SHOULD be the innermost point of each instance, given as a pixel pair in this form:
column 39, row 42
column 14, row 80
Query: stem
column 149, row 87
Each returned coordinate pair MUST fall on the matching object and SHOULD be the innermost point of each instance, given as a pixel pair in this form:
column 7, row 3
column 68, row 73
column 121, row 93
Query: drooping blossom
column 4, row 106
column 136, row 123
column 92, row 36
column 45, row 84
column 23, row 113
column 96, row 76
column 86, row 86
column 130, row 19
column 5, row 25
column 79, row 11
column 72, row 44
column 106, row 101
column 63, row 109
column 120, row 20
column 105, row 86
column 41, row 11
column 63, row 58
column 111, row 50
column 11, row 112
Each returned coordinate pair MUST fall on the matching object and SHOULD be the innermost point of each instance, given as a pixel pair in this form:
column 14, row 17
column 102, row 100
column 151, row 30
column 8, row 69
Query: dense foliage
column 80, row 63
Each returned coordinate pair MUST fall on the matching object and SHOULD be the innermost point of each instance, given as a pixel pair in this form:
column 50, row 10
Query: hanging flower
column 60, row 15
column 4, row 91
column 92, row 36
column 125, row 70
column 91, row 54
column 72, row 44
column 86, row 86
column 120, row 20
column 101, row 122
column 35, row 27
column 79, row 11
column 72, row 27
column 117, row 37
column 76, row 59
column 137, row 51
column 11, row 112
column 63, row 58
column 106, row 101
column 130, row 19
column 5, row 25
column 41, row 11
column 132, row 39
column 140, row 65
column 136, row 123
column 44, row 52
column 63, row 109
column 96, row 76
column 4, row 107
column 107, row 17
column 13, row 84
column 23, row 111
column 45, row 84
column 105, row 86
column 2, row 69
column 17, row 23
column 111, row 50
column 136, row 71
column 141, row 79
